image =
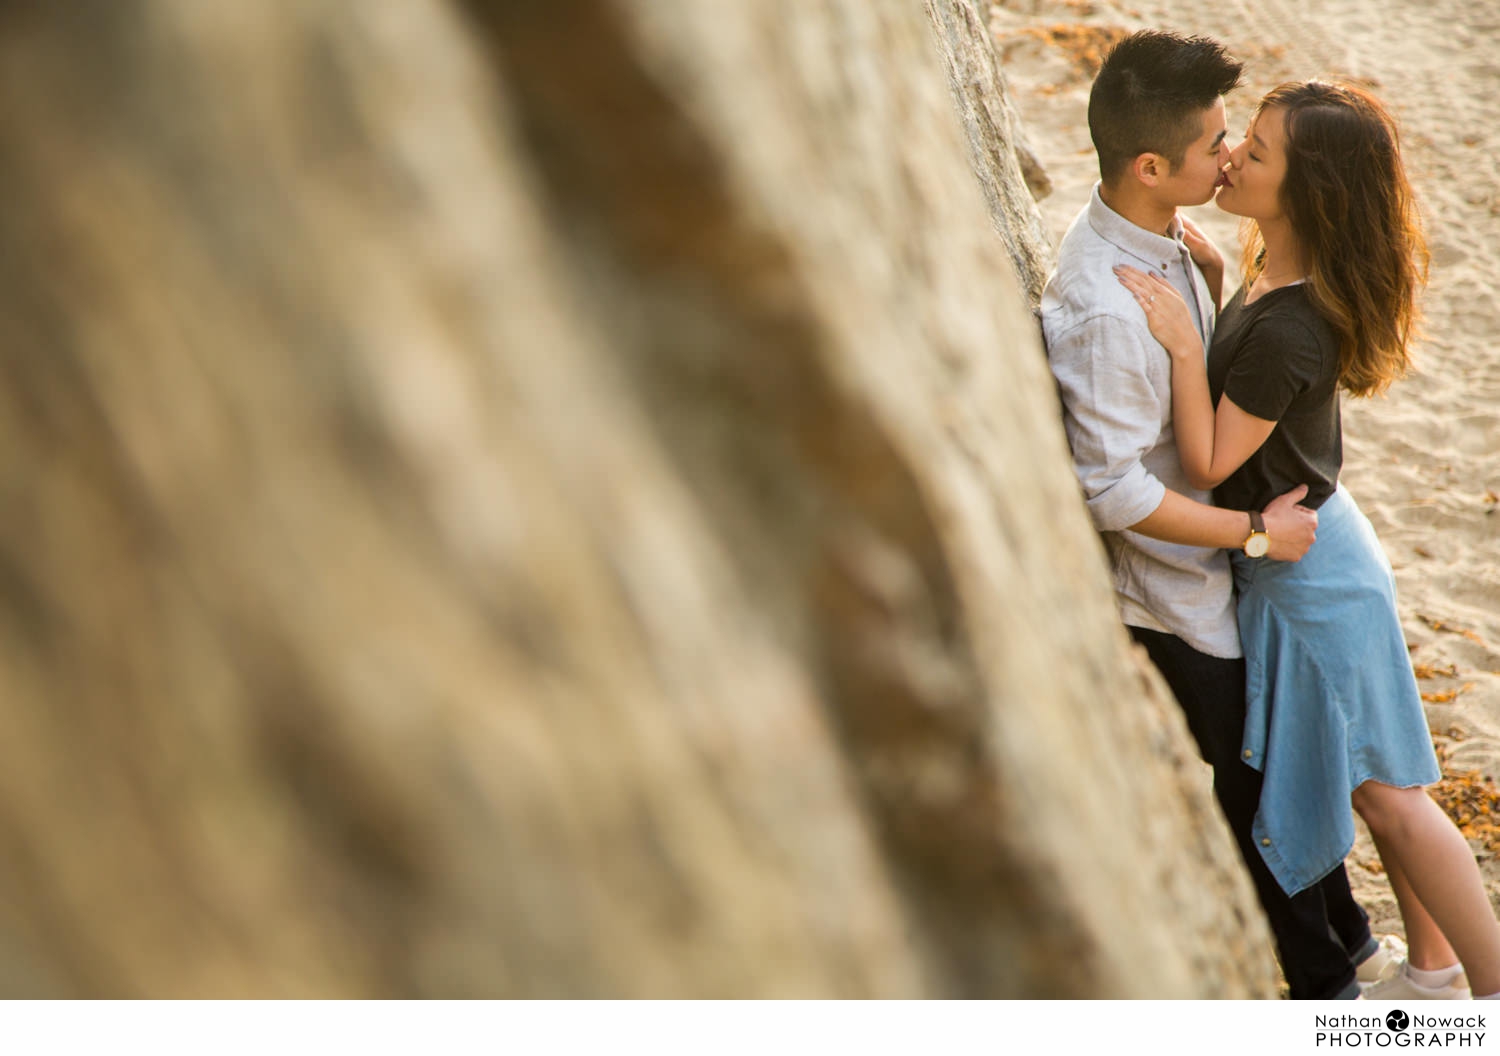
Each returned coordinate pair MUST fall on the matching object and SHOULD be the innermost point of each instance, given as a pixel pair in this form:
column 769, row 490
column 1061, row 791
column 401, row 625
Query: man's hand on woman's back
column 1292, row 528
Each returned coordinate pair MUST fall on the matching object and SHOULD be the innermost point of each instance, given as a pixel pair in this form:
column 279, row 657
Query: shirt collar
column 1155, row 251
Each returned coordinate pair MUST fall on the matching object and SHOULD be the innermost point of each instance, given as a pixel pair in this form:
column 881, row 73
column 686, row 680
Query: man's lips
column 1224, row 180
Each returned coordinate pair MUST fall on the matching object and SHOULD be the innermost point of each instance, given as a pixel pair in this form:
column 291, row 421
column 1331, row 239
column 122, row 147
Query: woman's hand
column 1206, row 255
column 1166, row 312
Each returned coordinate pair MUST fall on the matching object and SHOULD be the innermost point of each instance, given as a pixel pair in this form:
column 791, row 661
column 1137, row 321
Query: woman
column 1333, row 259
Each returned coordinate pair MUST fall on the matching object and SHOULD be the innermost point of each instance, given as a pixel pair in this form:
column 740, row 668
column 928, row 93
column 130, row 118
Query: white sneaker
column 1385, row 962
column 1401, row 987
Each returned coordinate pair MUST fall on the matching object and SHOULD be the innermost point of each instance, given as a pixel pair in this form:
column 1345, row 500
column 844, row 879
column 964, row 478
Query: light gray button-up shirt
column 1115, row 380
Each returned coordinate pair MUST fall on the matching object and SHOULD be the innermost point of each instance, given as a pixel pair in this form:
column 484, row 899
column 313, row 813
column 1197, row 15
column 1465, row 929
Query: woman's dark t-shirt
column 1278, row 359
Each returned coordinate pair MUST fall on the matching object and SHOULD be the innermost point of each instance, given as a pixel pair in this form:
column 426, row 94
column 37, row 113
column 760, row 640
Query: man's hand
column 1292, row 528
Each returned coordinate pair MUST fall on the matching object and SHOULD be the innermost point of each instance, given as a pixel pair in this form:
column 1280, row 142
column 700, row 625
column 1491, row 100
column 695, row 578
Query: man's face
column 1192, row 182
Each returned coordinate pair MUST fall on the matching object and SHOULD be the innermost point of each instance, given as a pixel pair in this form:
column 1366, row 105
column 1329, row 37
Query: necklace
column 1264, row 284
column 1271, row 283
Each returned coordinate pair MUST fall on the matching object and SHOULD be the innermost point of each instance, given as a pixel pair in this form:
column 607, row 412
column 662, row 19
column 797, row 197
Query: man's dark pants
column 1317, row 930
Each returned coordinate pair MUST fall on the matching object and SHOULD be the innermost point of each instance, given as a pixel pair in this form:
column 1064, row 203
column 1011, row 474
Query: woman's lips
column 1224, row 180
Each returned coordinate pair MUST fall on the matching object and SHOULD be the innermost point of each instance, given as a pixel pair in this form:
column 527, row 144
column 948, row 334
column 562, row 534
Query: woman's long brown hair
column 1348, row 200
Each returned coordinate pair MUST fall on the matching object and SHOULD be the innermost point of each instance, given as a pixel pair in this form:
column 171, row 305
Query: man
column 1156, row 116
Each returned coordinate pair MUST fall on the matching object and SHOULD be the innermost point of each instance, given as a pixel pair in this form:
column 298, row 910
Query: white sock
column 1435, row 978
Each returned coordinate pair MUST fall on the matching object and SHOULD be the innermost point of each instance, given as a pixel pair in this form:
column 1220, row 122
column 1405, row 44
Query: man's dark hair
column 1149, row 93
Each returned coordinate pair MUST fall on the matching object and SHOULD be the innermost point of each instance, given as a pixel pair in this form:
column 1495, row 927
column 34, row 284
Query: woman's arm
column 1211, row 444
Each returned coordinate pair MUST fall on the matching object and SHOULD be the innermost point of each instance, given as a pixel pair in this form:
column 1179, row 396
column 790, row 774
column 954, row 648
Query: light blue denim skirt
column 1331, row 699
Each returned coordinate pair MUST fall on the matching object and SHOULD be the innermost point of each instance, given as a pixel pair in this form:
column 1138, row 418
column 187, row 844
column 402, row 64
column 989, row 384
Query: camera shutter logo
column 1397, row 1020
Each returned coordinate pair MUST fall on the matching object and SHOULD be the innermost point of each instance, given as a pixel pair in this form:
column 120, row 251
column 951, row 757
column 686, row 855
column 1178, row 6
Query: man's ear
column 1150, row 169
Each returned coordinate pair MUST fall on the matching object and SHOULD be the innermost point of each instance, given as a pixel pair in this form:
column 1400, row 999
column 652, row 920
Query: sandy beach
column 1424, row 461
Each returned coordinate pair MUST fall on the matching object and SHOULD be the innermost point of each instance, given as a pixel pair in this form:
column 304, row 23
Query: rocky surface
column 557, row 500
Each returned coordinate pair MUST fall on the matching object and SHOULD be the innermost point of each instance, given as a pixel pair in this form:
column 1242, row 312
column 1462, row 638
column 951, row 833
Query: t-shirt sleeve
column 1278, row 359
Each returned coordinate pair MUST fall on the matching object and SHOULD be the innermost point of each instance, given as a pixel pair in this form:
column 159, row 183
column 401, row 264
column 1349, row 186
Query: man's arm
column 1112, row 415
column 1179, row 519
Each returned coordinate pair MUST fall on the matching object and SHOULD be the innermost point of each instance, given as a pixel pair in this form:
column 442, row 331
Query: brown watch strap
column 1257, row 522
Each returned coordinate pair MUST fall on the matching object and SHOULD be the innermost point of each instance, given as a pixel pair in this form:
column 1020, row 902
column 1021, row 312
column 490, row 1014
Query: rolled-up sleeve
column 1112, row 411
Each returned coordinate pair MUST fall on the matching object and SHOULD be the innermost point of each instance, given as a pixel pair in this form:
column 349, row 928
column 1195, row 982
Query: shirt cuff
column 1127, row 501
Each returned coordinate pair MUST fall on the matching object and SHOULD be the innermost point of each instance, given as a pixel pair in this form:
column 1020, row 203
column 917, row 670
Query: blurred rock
column 553, row 500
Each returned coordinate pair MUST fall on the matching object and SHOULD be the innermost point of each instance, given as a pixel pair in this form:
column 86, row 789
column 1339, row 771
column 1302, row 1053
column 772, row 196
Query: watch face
column 1257, row 545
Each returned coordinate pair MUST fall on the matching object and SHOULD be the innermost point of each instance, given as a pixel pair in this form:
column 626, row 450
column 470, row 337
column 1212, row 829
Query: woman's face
column 1251, row 183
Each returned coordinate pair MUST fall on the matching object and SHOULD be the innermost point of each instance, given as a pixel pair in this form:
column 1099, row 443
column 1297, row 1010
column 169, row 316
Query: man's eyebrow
column 1218, row 139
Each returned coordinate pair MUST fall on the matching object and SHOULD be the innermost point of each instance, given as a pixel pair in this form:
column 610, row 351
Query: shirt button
column 1265, row 841
column 1249, row 754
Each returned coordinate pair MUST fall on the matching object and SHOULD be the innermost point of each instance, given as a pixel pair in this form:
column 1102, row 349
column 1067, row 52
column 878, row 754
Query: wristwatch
column 1257, row 543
